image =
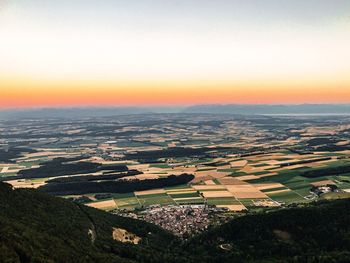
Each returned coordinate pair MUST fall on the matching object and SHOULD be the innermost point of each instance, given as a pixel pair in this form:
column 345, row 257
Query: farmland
column 128, row 163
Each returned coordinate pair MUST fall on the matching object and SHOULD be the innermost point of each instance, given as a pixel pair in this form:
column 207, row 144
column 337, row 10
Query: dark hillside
column 318, row 233
column 36, row 227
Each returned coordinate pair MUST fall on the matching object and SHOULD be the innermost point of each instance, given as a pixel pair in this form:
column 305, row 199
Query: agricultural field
column 240, row 163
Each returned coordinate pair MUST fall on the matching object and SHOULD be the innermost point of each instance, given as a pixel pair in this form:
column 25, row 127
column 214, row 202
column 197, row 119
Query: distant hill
column 271, row 109
column 82, row 112
column 37, row 227
column 240, row 109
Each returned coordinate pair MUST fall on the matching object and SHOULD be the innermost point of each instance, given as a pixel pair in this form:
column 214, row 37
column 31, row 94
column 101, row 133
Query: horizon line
column 167, row 106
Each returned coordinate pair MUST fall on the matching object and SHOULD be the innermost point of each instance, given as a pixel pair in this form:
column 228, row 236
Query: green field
column 287, row 197
column 7, row 174
column 184, row 195
column 126, row 195
column 246, row 202
column 223, row 201
column 154, row 199
column 190, row 201
column 160, row 165
column 231, row 170
column 127, row 202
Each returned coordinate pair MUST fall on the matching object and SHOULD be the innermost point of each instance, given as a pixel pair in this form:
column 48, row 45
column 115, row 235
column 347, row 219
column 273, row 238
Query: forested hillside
column 37, row 227
column 317, row 233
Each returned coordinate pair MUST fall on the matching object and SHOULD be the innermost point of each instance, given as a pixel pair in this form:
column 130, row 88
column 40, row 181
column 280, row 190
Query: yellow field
column 209, row 194
column 150, row 192
column 107, row 204
column 235, row 208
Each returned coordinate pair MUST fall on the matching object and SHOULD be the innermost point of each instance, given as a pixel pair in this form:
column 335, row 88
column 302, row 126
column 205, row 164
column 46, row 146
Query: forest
column 65, row 166
column 119, row 186
column 327, row 171
column 37, row 227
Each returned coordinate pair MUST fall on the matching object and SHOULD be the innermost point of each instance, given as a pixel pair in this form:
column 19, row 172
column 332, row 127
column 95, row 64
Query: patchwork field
column 248, row 182
column 237, row 162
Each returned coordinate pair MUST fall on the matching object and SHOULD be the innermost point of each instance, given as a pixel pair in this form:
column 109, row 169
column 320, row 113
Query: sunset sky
column 173, row 52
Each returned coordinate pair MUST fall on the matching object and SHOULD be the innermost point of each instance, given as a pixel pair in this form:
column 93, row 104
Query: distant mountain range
column 253, row 109
column 239, row 109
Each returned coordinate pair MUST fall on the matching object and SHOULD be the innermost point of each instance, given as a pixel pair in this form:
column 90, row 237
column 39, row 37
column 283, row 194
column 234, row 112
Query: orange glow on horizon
column 145, row 53
column 66, row 94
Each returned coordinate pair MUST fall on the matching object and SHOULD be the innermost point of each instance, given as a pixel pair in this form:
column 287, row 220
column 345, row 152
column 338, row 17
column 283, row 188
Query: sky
column 173, row 52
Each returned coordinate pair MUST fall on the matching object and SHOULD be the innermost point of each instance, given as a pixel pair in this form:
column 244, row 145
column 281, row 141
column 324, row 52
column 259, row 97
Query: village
column 182, row 220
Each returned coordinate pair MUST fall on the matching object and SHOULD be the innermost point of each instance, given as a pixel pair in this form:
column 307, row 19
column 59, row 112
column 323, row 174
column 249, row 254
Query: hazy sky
column 110, row 52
